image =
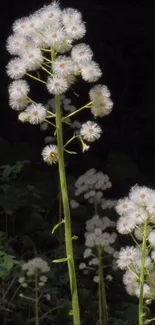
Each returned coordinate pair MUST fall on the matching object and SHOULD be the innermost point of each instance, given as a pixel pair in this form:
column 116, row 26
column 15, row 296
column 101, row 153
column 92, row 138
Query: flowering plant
column 40, row 43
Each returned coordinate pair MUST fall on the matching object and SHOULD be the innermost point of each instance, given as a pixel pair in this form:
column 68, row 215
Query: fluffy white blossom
column 50, row 154
column 140, row 195
column 127, row 256
column 75, row 30
column 36, row 113
column 35, row 265
column 81, row 53
column 102, row 105
column 54, row 37
column 17, row 44
column 90, row 131
column 57, row 85
column 63, row 66
column 18, row 91
column 125, row 225
column 90, row 71
column 74, row 204
column 16, row 68
column 151, row 238
column 32, row 59
column 71, row 15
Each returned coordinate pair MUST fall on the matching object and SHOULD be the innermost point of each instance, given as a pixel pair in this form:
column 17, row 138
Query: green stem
column 77, row 111
column 36, row 300
column 103, row 313
column 142, row 275
column 35, row 78
column 50, row 123
column 67, row 216
column 70, row 140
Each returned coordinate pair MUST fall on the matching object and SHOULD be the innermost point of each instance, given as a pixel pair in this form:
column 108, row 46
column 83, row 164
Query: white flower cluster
column 91, row 185
column 35, row 267
column 96, row 236
column 135, row 210
column 51, row 30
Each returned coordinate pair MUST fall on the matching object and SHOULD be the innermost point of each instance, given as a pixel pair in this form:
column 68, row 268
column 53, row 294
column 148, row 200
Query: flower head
column 91, row 71
column 50, row 154
column 102, row 103
column 36, row 113
column 90, row 131
column 16, row 68
column 81, row 53
column 57, row 85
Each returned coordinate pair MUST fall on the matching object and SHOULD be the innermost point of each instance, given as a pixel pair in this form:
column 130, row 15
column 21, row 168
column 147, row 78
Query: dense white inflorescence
column 44, row 49
column 137, row 210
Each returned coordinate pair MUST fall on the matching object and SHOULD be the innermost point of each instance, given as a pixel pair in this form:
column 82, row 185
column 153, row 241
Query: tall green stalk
column 67, row 216
column 36, row 300
column 103, row 313
column 142, row 275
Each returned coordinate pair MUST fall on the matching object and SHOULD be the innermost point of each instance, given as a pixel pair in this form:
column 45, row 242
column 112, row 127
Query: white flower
column 75, row 30
column 64, row 46
column 16, row 68
column 35, row 265
column 36, row 113
column 127, row 256
column 94, row 261
column 129, row 277
column 125, row 225
column 20, row 26
column 138, row 234
column 82, row 266
column 24, row 285
column 109, row 277
column 96, row 279
column 102, row 103
column 49, row 139
column 18, row 91
column 17, row 44
column 71, row 15
column 32, row 59
column 44, row 126
column 146, row 291
column 90, row 131
column 23, row 117
column 54, row 37
column 140, row 194
column 74, row 204
column 87, row 252
column 91, row 71
column 50, row 154
column 21, row 279
column 125, row 206
column 57, row 85
column 50, row 14
column 43, row 278
column 151, row 238
column 153, row 255
column 140, row 215
column 132, row 287
column 81, row 53
column 63, row 66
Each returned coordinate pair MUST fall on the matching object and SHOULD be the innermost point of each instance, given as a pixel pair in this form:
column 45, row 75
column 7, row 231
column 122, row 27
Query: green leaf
column 61, row 260
column 57, row 226
column 74, row 237
column 71, row 313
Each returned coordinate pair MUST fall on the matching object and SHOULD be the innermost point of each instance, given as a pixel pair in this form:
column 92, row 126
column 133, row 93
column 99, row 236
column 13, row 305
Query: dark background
column 122, row 36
